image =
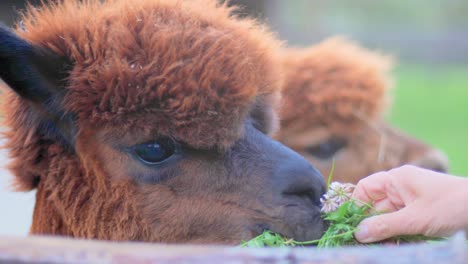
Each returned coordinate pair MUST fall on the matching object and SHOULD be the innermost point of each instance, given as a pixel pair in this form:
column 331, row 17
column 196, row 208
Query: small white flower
column 338, row 193
column 328, row 205
column 334, row 186
column 341, row 188
column 340, row 199
column 348, row 188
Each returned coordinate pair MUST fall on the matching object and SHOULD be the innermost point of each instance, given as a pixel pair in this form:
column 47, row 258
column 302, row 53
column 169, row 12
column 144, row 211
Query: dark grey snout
column 296, row 177
column 285, row 186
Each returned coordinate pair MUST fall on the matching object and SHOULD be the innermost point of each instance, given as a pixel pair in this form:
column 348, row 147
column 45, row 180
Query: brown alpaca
column 334, row 97
column 148, row 120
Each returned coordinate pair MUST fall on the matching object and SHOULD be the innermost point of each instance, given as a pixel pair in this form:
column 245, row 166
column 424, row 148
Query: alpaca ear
column 37, row 75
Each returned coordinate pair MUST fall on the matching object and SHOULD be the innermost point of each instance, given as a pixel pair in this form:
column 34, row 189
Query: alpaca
column 334, row 97
column 148, row 120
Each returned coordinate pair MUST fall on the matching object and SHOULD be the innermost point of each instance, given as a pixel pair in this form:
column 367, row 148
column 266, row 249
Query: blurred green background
column 431, row 102
column 428, row 38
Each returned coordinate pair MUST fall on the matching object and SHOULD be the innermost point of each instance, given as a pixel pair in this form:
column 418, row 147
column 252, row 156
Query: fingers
column 385, row 226
column 371, row 188
column 419, row 202
column 385, row 206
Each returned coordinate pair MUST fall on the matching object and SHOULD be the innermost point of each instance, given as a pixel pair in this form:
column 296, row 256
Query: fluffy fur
column 334, row 99
column 143, row 71
column 331, row 84
column 129, row 72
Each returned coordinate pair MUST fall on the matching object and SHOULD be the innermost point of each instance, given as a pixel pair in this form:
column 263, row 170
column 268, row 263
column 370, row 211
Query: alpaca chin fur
column 196, row 74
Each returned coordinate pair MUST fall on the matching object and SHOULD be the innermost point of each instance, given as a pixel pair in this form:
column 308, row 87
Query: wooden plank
column 37, row 249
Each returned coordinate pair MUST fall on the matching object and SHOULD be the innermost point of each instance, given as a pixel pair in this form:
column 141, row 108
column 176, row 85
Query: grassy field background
column 431, row 103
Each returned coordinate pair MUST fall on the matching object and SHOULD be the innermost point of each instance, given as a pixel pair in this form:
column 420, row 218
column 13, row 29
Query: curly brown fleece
column 334, row 100
column 191, row 67
column 112, row 82
column 330, row 83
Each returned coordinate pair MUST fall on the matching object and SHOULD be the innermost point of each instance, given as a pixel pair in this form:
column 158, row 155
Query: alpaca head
column 334, row 98
column 149, row 120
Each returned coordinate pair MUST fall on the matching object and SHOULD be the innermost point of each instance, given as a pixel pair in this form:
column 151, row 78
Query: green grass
column 343, row 223
column 431, row 103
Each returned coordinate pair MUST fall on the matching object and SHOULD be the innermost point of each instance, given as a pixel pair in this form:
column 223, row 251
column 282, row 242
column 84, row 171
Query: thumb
column 385, row 226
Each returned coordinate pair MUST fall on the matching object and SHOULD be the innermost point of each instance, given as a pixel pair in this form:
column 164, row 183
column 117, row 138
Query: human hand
column 414, row 201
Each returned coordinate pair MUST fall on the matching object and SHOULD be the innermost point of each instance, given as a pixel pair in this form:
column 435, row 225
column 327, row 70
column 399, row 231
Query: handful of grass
column 343, row 224
column 343, row 215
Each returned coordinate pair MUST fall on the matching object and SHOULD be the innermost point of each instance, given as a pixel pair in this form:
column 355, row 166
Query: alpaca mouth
column 299, row 233
column 296, row 224
column 309, row 232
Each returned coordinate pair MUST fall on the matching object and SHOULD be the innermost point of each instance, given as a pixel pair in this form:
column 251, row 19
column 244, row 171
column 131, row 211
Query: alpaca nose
column 300, row 179
column 434, row 160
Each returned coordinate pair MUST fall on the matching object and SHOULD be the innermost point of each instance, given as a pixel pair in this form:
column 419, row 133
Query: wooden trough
column 37, row 249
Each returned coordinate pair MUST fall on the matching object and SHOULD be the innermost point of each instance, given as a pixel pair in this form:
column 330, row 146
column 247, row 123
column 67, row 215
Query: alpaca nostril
column 294, row 177
column 299, row 190
column 434, row 160
column 307, row 185
column 303, row 194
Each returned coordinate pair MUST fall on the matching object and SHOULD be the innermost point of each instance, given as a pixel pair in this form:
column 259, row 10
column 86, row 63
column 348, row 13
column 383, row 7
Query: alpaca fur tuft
column 145, row 61
column 334, row 101
column 335, row 84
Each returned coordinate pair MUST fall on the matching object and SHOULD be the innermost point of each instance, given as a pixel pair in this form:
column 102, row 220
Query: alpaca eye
column 327, row 149
column 156, row 151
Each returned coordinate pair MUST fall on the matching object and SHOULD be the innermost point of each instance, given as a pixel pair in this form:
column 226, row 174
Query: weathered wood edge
column 36, row 249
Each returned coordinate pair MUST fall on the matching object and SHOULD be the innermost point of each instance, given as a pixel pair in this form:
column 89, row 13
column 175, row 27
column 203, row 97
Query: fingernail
column 362, row 235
